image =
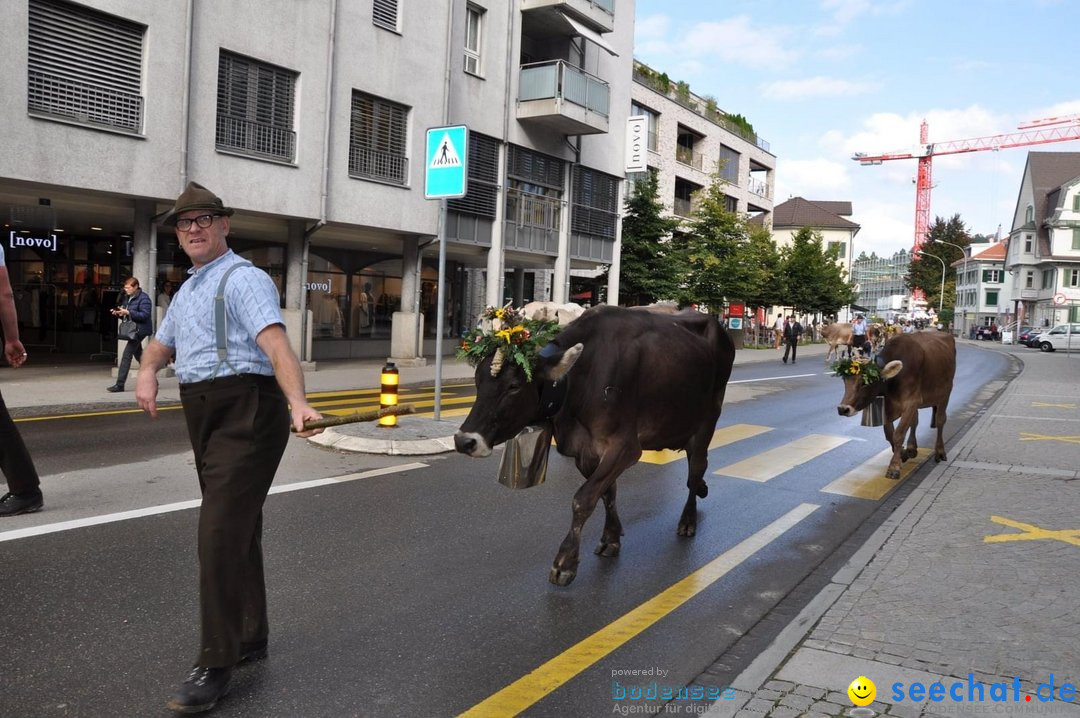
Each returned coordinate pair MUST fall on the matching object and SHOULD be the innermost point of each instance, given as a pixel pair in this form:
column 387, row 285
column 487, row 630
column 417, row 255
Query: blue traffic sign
column 446, row 172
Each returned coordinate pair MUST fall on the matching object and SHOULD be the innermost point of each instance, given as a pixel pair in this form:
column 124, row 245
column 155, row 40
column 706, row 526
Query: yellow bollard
column 388, row 393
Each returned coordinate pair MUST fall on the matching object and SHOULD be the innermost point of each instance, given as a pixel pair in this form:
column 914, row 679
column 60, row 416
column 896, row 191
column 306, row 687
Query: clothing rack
column 37, row 312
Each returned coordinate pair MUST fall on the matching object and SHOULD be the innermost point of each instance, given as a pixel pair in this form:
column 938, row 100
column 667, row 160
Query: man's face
column 203, row 244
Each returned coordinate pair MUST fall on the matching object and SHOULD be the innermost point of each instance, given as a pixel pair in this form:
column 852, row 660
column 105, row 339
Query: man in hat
column 238, row 405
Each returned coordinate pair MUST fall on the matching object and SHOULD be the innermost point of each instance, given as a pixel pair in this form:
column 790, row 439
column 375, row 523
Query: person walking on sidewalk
column 792, row 331
column 778, row 330
column 136, row 307
column 24, row 487
column 240, row 387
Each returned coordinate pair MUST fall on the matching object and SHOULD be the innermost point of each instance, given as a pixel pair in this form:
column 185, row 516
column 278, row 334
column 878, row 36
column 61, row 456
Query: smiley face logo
column 862, row 691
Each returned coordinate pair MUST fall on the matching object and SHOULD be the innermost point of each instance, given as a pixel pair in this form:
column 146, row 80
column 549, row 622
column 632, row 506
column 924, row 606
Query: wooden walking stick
column 369, row 415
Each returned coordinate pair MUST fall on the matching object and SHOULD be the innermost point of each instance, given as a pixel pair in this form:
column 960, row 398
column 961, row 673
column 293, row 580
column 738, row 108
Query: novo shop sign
column 16, row 239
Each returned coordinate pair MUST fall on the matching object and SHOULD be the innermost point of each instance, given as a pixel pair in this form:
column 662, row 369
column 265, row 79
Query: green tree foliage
column 925, row 272
column 812, row 279
column 727, row 259
column 651, row 265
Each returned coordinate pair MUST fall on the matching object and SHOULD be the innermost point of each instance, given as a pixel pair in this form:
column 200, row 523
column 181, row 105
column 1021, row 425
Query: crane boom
column 1036, row 132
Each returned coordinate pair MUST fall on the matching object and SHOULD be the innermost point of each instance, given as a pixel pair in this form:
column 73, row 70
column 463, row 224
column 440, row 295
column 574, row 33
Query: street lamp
column 941, row 296
column 964, row 253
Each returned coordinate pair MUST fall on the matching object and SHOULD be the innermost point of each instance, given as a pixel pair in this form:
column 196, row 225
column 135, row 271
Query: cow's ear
column 892, row 369
column 555, row 365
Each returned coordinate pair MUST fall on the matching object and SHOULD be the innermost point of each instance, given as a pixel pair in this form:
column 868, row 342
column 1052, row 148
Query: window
column 1029, row 280
column 1076, row 202
column 728, row 165
column 474, row 24
column 596, row 203
column 377, row 139
column 1027, row 244
column 731, row 204
column 838, row 249
column 483, row 187
column 1029, row 215
column 992, row 276
column 1070, row 278
column 991, row 297
column 84, row 66
column 1048, row 279
column 654, row 122
column 384, row 13
column 1076, row 238
column 255, row 103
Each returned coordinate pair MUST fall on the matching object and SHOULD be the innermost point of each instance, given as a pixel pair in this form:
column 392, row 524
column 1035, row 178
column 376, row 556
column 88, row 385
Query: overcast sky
column 823, row 79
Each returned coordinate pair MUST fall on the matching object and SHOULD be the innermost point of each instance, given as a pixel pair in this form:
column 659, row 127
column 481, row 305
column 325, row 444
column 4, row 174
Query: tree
column 651, row 267
column 812, row 278
column 925, row 273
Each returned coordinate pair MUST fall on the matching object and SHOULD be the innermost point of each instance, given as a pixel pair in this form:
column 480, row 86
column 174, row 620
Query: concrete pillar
column 519, row 287
column 294, row 263
column 560, row 283
column 406, row 326
column 616, row 252
column 493, row 289
column 410, row 270
column 143, row 266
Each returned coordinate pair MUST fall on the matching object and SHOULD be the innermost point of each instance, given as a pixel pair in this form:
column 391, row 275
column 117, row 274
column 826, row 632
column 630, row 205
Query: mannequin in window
column 362, row 320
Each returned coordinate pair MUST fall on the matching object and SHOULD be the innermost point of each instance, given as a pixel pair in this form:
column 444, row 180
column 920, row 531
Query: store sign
column 317, row 286
column 22, row 240
column 636, row 157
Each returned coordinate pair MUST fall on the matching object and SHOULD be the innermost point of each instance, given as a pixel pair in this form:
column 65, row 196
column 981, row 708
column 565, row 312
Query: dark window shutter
column 482, row 196
column 255, row 108
column 377, row 139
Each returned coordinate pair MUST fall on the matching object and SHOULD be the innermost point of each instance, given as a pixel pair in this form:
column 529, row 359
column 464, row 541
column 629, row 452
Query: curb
column 335, row 439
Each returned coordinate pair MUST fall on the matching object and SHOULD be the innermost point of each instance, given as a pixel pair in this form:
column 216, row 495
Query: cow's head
column 863, row 380
column 507, row 400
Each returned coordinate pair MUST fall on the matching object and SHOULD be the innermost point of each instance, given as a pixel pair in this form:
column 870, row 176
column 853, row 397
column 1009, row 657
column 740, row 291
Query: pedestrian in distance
column 241, row 387
column 778, row 331
column 135, row 306
column 24, row 487
column 859, row 341
column 165, row 296
column 792, row 331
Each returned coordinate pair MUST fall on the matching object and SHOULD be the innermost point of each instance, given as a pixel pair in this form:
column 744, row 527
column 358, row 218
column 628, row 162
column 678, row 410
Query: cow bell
column 525, row 458
column 874, row 412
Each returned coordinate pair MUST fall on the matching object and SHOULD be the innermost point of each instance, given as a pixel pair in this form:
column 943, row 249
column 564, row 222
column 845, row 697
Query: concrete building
column 982, row 289
column 690, row 140
column 881, row 283
column 1044, row 242
column 310, row 119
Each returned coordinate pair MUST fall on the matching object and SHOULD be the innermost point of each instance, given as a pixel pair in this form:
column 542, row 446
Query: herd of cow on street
column 652, row 378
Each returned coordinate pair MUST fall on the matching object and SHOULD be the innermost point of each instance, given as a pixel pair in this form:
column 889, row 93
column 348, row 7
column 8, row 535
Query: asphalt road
column 419, row 586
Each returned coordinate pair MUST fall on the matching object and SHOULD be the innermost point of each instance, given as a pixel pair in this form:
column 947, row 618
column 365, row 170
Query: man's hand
column 146, row 389
column 15, row 353
column 303, row 413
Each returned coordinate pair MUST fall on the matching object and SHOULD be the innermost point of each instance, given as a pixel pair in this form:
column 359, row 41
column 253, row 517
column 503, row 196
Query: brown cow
column 633, row 380
column 916, row 372
column 838, row 335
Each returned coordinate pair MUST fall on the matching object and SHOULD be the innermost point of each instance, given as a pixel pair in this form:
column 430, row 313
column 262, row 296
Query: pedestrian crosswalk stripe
column 721, row 437
column 772, row 463
column 868, row 481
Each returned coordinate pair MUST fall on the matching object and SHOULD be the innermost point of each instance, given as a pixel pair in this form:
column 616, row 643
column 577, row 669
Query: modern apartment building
column 690, row 140
column 1044, row 242
column 309, row 118
column 880, row 282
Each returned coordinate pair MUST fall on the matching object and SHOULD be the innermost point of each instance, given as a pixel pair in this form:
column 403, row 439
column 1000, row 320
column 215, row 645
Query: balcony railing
column 560, row 80
column 255, row 138
column 532, row 210
column 372, row 164
column 686, row 156
column 758, row 187
column 82, row 102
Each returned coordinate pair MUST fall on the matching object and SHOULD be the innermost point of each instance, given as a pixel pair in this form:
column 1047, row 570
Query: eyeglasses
column 203, row 220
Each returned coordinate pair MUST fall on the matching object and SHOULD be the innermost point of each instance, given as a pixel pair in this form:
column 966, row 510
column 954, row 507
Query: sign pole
column 440, row 318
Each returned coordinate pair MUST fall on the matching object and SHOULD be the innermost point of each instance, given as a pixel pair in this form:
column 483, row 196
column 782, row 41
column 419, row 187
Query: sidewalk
column 972, row 580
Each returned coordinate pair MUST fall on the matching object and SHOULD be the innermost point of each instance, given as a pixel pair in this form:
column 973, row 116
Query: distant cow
column 838, row 335
column 916, row 372
column 551, row 311
column 634, row 380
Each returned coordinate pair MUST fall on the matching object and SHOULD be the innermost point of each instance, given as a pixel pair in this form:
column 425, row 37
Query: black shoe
column 115, row 388
column 15, row 504
column 251, row 652
column 784, row 360
column 201, row 690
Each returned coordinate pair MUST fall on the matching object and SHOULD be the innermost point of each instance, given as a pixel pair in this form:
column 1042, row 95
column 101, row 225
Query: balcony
column 563, row 98
column 598, row 15
column 686, row 156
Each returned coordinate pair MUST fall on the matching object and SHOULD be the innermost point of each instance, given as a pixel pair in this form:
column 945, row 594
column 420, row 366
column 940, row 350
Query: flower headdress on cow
column 866, row 369
column 505, row 333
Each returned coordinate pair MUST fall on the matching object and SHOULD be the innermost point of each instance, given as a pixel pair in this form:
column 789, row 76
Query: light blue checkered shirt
column 251, row 305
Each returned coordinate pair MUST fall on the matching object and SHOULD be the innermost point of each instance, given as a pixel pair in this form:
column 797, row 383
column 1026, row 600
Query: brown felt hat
column 195, row 196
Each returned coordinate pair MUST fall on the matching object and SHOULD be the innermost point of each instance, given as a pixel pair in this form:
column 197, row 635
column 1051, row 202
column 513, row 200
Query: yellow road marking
column 83, row 415
column 721, row 437
column 1031, row 533
column 374, row 399
column 770, row 464
column 1025, row 436
column 1055, row 406
column 529, row 689
column 375, row 405
column 868, row 481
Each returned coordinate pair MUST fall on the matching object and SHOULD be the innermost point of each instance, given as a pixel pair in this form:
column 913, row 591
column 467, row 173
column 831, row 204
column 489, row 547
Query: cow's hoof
column 687, row 530
column 909, row 454
column 939, row 458
column 892, row 474
column 605, row 548
column 702, row 490
column 561, row 577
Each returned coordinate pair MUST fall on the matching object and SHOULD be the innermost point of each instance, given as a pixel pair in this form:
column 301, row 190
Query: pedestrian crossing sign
column 446, row 166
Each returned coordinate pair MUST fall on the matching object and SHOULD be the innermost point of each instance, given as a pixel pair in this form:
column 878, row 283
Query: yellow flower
column 854, row 368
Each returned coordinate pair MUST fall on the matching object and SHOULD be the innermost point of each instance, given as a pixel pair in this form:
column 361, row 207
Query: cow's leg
column 938, row 420
column 912, row 448
column 896, row 440
column 611, row 464
column 609, row 543
column 697, row 456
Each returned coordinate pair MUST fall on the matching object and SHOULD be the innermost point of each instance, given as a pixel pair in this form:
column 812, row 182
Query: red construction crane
column 1050, row 129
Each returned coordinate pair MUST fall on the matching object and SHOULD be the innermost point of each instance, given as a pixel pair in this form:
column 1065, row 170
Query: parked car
column 1027, row 334
column 1063, row 336
column 987, row 333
